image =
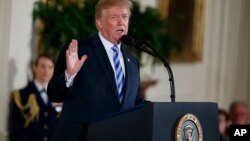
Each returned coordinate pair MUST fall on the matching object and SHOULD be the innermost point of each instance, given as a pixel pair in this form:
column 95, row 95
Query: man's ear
column 98, row 23
column 33, row 67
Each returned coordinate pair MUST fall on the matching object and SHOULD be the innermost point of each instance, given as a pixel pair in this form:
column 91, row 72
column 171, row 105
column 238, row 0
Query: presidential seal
column 188, row 128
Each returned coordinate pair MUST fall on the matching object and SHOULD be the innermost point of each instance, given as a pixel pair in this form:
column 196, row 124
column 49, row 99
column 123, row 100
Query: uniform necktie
column 118, row 72
column 44, row 95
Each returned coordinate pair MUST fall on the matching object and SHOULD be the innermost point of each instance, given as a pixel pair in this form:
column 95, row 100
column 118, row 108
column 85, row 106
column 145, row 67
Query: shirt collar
column 39, row 86
column 107, row 44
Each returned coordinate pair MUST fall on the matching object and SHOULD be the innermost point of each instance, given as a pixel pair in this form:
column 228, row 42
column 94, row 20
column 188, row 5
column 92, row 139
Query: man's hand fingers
column 76, row 46
column 83, row 59
column 72, row 46
column 67, row 53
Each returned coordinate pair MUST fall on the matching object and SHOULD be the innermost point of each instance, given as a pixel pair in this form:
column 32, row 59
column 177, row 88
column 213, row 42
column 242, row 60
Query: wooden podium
column 158, row 121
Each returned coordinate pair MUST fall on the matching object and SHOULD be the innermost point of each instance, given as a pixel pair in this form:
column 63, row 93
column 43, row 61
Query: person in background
column 32, row 115
column 223, row 118
column 239, row 113
column 97, row 76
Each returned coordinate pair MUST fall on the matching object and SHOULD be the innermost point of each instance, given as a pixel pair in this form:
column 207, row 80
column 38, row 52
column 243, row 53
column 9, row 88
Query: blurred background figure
column 223, row 118
column 32, row 115
column 239, row 113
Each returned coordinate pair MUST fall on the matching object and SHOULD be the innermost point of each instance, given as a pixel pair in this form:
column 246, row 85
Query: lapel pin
column 128, row 60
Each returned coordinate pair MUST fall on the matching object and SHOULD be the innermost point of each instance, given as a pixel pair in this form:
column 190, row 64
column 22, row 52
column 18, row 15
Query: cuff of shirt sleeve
column 69, row 81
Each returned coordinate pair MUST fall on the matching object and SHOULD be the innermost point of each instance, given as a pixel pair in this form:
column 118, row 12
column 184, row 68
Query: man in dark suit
column 32, row 115
column 97, row 76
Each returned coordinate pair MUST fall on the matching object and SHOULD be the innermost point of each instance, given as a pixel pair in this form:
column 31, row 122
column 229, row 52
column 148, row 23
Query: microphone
column 128, row 40
column 145, row 46
column 140, row 45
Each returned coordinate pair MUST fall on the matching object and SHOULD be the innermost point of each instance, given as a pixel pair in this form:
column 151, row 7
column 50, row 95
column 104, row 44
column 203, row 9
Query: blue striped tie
column 118, row 72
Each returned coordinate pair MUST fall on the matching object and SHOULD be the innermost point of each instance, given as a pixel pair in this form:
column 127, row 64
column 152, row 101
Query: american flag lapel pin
column 128, row 60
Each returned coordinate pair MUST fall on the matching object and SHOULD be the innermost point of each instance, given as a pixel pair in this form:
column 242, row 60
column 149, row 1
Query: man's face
column 113, row 23
column 43, row 70
column 239, row 114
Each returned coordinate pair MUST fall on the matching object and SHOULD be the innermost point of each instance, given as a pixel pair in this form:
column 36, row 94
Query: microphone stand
column 153, row 52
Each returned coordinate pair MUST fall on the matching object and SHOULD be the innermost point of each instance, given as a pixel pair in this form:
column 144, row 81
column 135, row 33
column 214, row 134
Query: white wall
column 151, row 3
column 242, row 88
column 20, row 40
column 15, row 37
column 222, row 75
column 5, row 8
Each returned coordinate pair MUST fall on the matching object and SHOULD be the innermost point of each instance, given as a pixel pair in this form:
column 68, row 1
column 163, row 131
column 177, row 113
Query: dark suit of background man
column 32, row 115
column 85, row 78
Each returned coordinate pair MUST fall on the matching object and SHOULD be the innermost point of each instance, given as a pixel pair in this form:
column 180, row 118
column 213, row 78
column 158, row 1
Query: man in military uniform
column 32, row 115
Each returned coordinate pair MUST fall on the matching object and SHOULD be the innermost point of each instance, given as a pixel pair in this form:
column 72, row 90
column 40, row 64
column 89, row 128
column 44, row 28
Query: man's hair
column 104, row 4
column 237, row 103
column 44, row 55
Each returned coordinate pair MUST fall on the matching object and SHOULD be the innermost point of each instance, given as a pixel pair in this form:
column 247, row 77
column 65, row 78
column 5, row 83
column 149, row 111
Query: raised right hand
column 73, row 63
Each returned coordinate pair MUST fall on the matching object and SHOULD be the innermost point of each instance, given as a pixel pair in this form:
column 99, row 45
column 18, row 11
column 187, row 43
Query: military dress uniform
column 31, row 117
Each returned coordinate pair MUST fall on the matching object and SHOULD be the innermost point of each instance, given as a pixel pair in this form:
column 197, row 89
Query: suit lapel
column 128, row 79
column 103, row 60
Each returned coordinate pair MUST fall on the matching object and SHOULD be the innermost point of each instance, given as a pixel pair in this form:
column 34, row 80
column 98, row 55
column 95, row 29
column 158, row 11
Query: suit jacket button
column 45, row 126
column 46, row 114
column 58, row 115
